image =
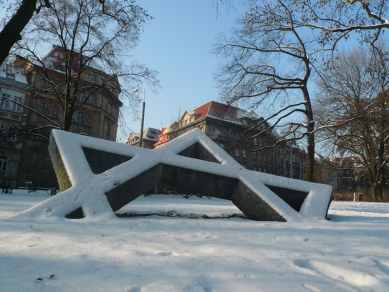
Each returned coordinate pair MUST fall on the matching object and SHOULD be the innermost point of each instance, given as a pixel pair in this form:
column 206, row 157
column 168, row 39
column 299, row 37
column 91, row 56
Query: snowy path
column 348, row 253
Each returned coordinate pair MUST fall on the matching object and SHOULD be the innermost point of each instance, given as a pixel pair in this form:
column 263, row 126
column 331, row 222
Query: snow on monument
column 98, row 177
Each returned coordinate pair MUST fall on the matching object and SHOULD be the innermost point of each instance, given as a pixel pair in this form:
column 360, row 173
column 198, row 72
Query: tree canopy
column 354, row 105
column 95, row 36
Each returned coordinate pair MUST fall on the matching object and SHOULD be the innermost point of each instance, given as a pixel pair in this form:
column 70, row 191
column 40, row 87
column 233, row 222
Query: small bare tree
column 354, row 105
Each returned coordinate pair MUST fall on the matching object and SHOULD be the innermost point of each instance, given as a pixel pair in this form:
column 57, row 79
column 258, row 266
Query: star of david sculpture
column 98, row 177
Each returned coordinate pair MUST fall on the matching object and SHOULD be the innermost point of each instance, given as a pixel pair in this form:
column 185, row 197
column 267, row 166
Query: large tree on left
column 11, row 33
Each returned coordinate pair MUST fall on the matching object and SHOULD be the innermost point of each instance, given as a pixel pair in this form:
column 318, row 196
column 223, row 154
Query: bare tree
column 95, row 36
column 269, row 61
column 338, row 19
column 353, row 104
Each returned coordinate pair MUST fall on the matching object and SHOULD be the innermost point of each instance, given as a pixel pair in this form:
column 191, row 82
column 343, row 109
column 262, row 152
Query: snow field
column 155, row 253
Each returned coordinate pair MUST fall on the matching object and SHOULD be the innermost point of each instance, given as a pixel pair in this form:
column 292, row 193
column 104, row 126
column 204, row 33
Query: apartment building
column 97, row 109
column 14, row 89
column 242, row 134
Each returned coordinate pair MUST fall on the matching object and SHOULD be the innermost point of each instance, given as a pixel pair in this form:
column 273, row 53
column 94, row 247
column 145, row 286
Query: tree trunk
column 310, row 165
column 374, row 192
column 12, row 30
column 67, row 121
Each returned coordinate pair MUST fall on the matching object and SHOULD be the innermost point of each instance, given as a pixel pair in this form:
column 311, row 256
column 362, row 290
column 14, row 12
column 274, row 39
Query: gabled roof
column 224, row 112
column 175, row 125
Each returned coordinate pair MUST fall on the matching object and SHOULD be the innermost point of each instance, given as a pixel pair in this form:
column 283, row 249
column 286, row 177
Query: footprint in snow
column 167, row 253
column 351, row 277
column 382, row 265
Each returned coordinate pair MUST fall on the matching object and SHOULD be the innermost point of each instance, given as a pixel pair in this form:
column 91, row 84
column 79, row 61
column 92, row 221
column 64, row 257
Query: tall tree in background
column 96, row 36
column 270, row 61
column 354, row 104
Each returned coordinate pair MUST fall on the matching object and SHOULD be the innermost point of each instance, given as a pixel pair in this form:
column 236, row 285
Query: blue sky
column 177, row 43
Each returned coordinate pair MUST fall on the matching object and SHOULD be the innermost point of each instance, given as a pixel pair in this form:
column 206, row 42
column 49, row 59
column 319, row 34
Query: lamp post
column 143, row 116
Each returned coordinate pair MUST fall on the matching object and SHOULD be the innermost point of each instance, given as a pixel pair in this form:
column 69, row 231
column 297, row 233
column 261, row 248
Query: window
column 42, row 108
column 255, row 141
column 153, row 132
column 236, row 152
column 102, row 81
column 244, row 153
column 16, row 104
column 39, row 134
column 34, row 158
column 81, row 97
column 12, row 134
column 109, row 108
column 218, row 131
column 4, row 101
column 78, row 118
column 54, row 112
column 3, row 163
column 255, row 154
column 10, row 76
column 109, row 129
column 90, row 78
column 222, row 145
column 88, row 120
column 2, row 130
column 90, row 99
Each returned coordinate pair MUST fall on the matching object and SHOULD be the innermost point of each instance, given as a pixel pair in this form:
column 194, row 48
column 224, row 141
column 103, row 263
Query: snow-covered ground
column 350, row 252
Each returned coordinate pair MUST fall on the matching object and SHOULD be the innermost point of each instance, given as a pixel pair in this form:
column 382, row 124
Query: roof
column 224, row 112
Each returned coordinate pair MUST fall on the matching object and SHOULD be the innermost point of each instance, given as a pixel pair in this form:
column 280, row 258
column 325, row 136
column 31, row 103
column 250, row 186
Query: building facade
column 97, row 107
column 149, row 138
column 14, row 90
column 242, row 134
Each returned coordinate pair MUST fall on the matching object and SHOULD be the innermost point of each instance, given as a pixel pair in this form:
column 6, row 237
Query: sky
column 178, row 44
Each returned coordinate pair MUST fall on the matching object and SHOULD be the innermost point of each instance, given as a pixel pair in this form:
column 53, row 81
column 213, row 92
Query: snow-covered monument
column 99, row 177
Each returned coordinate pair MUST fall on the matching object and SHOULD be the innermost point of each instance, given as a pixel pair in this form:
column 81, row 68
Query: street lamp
column 143, row 115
